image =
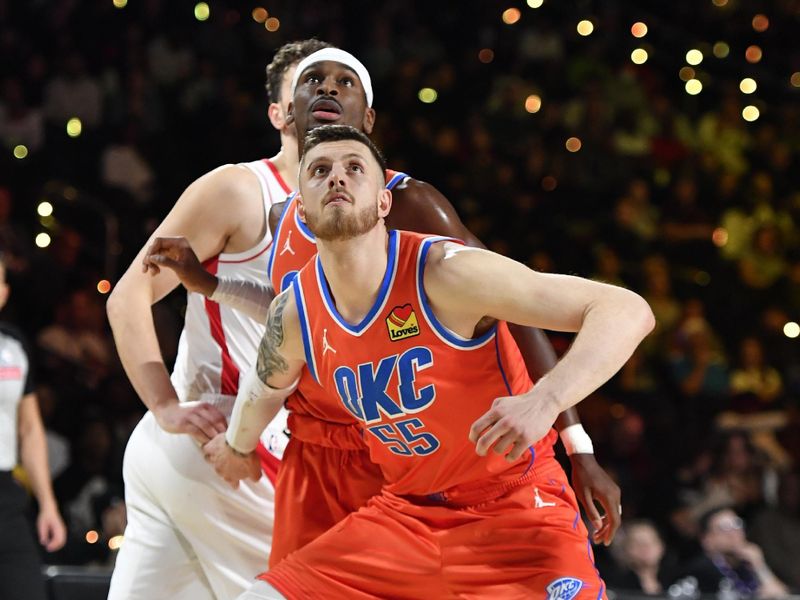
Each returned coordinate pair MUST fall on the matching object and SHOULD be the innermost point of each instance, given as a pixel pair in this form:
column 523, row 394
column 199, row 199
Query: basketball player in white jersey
column 189, row 535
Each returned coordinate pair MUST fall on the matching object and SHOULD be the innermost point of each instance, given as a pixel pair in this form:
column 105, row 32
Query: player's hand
column 200, row 420
column 591, row 483
column 51, row 529
column 513, row 423
column 176, row 253
column 229, row 465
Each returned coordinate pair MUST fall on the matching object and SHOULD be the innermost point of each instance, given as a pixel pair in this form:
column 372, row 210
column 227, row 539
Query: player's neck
column 355, row 269
column 287, row 161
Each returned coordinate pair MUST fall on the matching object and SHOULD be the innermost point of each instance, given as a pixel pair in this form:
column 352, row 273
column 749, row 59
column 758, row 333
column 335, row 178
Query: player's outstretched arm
column 207, row 214
column 421, row 207
column 465, row 284
column 177, row 255
column 263, row 390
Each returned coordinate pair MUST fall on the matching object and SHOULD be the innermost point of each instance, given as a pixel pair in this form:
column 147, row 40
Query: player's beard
column 342, row 224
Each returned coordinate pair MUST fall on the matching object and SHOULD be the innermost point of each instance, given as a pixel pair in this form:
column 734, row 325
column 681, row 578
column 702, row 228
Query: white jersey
column 218, row 344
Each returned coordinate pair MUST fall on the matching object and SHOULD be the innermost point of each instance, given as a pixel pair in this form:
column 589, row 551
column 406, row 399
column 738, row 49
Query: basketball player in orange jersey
column 188, row 537
column 405, row 333
column 333, row 86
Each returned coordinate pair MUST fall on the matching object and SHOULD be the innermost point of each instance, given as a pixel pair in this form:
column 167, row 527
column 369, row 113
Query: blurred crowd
column 673, row 195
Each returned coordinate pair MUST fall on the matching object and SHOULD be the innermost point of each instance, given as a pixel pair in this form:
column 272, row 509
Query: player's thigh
column 530, row 543
column 156, row 562
column 371, row 553
column 233, row 544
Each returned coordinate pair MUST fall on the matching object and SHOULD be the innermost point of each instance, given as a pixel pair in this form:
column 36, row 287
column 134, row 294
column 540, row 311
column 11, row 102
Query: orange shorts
column 325, row 475
column 527, row 543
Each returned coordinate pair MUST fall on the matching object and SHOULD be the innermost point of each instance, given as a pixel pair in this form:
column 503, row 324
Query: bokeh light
column 573, row 144
column 486, row 55
column 202, row 11
column 104, row 286
column 791, row 329
column 511, row 16
column 260, row 14
column 760, row 23
column 639, row 56
column 686, row 73
column 721, row 49
column 272, row 24
column 719, row 3
column 549, row 183
column 42, row 240
column 585, row 27
column 120, row 3
column 74, row 127
column 694, row 87
column 535, row 3
column 45, row 209
column 753, row 54
column 748, row 85
column 694, row 57
column 92, row 536
column 533, row 103
column 795, row 79
column 427, row 95
column 20, row 151
column 115, row 542
column 750, row 113
column 719, row 237
column 638, row 29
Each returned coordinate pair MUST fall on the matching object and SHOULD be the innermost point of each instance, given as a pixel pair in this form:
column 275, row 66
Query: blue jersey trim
column 500, row 365
column 383, row 292
column 276, row 234
column 305, row 328
column 397, row 178
column 442, row 331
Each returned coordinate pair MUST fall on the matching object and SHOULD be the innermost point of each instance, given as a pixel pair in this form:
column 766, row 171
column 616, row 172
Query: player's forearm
column 247, row 297
column 131, row 319
column 256, row 405
column 540, row 358
column 611, row 330
column 33, row 456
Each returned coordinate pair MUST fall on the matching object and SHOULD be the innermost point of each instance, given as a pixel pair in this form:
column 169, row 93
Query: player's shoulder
column 233, row 179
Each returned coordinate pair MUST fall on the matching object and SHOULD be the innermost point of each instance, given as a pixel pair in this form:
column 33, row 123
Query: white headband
column 341, row 57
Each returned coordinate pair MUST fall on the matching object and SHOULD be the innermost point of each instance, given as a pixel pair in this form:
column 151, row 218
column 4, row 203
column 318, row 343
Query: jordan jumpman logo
column 537, row 500
column 325, row 345
column 287, row 247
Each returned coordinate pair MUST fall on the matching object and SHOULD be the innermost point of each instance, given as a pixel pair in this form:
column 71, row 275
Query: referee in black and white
column 22, row 439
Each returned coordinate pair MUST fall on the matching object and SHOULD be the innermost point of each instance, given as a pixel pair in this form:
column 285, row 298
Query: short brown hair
column 338, row 133
column 286, row 56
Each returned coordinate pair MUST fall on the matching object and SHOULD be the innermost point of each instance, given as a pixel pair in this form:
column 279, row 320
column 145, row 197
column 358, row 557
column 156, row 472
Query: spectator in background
column 19, row 122
column 21, row 428
column 74, row 93
column 727, row 555
column 639, row 552
column 777, row 531
column 753, row 378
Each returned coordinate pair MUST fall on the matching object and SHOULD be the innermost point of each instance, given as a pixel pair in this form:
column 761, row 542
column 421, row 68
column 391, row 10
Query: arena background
column 648, row 144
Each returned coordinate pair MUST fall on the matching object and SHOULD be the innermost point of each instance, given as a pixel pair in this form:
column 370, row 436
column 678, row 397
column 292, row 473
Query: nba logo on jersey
column 402, row 323
column 565, row 588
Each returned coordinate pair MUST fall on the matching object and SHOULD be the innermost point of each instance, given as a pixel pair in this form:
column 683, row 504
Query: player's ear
column 369, row 121
column 384, row 202
column 301, row 209
column 289, row 117
column 276, row 116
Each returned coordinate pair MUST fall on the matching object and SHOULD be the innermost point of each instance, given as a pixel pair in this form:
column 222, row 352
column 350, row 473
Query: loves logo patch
column 402, row 323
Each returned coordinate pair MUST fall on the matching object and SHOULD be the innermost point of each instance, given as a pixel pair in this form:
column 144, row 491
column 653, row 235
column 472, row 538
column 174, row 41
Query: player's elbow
column 640, row 314
column 117, row 305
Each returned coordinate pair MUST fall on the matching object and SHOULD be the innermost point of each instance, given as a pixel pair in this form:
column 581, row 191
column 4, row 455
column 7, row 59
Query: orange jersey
column 414, row 386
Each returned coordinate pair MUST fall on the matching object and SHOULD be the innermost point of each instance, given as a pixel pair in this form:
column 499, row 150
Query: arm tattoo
column 269, row 358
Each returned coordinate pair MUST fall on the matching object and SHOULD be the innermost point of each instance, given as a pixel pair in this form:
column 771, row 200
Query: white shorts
column 189, row 534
